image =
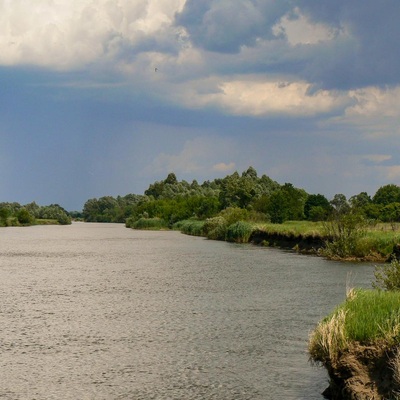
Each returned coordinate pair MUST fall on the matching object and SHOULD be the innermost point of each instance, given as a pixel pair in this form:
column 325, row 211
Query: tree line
column 260, row 198
column 15, row 214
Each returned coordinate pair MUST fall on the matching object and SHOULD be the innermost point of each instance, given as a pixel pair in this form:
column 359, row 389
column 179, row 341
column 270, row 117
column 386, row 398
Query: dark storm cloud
column 363, row 50
column 370, row 55
column 224, row 26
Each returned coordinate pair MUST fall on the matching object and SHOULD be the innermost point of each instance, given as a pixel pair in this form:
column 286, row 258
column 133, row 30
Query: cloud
column 377, row 158
column 368, row 56
column 299, row 29
column 197, row 156
column 391, row 173
column 374, row 102
column 74, row 33
column 255, row 96
column 225, row 26
column 223, row 167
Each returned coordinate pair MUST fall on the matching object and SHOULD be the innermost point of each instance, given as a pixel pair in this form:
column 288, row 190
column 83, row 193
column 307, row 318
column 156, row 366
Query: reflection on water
column 98, row 311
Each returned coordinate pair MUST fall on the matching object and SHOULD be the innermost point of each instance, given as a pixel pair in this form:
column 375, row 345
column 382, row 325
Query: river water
column 99, row 311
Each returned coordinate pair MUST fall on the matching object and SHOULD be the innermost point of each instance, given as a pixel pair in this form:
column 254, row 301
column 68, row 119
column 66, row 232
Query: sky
column 104, row 97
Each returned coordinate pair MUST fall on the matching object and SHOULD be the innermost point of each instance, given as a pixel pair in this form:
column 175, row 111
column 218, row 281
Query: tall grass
column 293, row 228
column 367, row 317
column 190, row 227
column 149, row 223
column 215, row 228
column 239, row 232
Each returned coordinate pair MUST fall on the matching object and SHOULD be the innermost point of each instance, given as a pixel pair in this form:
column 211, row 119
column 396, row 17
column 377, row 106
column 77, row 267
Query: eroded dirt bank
column 364, row 373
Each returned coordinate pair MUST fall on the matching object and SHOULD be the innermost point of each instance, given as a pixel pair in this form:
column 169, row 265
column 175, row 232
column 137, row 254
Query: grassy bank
column 367, row 317
column 12, row 221
column 359, row 345
column 371, row 243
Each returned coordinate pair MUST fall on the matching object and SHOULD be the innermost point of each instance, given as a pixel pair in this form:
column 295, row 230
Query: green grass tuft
column 366, row 317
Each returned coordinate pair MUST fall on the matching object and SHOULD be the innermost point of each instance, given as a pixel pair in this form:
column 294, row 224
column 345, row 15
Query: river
column 99, row 311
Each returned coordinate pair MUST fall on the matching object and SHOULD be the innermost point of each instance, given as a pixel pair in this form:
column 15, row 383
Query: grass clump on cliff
column 366, row 317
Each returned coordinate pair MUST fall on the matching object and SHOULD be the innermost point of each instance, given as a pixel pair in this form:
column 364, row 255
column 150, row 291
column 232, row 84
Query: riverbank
column 376, row 243
column 358, row 344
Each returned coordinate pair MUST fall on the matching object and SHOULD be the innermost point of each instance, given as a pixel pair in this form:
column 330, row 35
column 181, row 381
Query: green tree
column 24, row 217
column 278, row 207
column 387, row 194
column 316, row 207
column 5, row 213
column 360, row 200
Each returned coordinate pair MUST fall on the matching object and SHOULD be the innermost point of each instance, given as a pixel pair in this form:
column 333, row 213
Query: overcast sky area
column 101, row 97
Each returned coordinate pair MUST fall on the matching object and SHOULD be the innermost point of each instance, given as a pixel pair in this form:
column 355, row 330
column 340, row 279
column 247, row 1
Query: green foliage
column 390, row 212
column 55, row 212
column 387, row 194
column 24, row 217
column 110, row 209
column 344, row 231
column 360, row 200
column 316, row 207
column 5, row 213
column 234, row 214
column 190, row 227
column 239, row 232
column 243, row 191
column 367, row 316
column 387, row 276
column 286, row 203
column 215, row 228
column 149, row 223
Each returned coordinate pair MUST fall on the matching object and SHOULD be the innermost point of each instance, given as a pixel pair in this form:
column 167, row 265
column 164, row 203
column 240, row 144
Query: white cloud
column 197, row 155
column 374, row 111
column 71, row 33
column 223, row 167
column 300, row 30
column 253, row 96
column 390, row 173
column 377, row 158
column 375, row 102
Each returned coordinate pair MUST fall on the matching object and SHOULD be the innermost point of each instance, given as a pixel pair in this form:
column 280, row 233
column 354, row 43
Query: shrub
column 149, row 223
column 215, row 228
column 190, row 227
column 24, row 217
column 129, row 222
column 387, row 276
column 344, row 232
column 239, row 232
column 234, row 214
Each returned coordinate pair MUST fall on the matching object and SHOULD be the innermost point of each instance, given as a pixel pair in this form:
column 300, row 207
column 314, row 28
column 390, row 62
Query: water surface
column 99, row 311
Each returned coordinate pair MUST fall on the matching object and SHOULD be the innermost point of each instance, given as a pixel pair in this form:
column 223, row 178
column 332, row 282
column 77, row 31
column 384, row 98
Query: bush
column 344, row 232
column 215, row 228
column 239, row 232
column 387, row 276
column 234, row 214
column 149, row 223
column 24, row 217
column 190, row 227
